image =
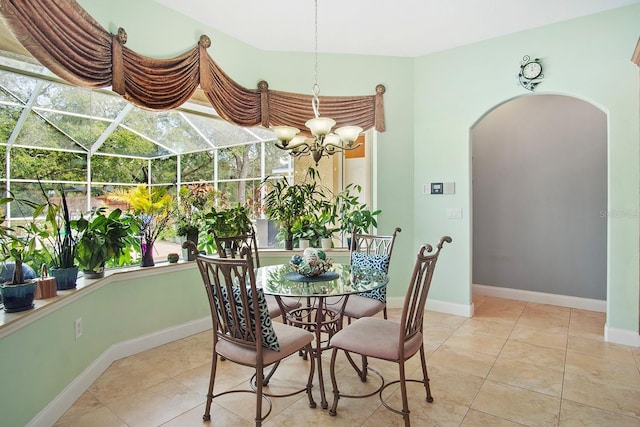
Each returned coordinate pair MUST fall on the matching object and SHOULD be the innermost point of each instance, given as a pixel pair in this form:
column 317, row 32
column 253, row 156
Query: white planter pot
column 303, row 243
column 326, row 242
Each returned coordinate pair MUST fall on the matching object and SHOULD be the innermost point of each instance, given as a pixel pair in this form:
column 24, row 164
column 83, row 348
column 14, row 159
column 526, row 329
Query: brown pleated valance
column 69, row 42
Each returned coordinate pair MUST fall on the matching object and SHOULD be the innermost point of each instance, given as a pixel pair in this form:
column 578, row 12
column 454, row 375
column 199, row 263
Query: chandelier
column 323, row 142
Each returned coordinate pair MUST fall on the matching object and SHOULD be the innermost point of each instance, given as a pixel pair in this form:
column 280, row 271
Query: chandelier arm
column 302, row 144
column 299, row 154
column 301, row 148
column 342, row 147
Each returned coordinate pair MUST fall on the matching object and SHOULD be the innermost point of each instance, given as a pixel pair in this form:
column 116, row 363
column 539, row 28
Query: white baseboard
column 436, row 305
column 613, row 335
column 621, row 336
column 541, row 298
column 82, row 382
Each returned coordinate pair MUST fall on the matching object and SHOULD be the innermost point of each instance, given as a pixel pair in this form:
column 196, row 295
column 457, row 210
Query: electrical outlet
column 78, row 327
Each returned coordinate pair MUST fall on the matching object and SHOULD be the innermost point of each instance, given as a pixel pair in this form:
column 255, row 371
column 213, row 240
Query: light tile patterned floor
column 513, row 363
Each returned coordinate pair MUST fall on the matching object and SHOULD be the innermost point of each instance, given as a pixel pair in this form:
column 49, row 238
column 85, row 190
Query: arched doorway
column 540, row 197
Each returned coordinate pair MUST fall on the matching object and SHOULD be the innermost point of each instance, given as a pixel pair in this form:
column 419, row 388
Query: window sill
column 11, row 322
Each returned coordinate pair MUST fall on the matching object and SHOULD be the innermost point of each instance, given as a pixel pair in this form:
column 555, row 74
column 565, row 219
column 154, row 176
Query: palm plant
column 153, row 209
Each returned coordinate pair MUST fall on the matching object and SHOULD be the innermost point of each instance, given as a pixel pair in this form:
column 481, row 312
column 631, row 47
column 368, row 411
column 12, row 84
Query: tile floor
column 513, row 363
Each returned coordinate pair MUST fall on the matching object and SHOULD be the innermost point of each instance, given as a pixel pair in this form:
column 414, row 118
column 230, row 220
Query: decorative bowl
column 312, row 262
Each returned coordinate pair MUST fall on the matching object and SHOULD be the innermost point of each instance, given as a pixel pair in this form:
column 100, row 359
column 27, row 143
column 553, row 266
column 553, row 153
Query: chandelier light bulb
column 320, row 126
column 349, row 133
column 332, row 138
column 285, row 133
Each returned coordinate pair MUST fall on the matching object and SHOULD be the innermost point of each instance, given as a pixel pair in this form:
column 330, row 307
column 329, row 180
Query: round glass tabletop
column 341, row 279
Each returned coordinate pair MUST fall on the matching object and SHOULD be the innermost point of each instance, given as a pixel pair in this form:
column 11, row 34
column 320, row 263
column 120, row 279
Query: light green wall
column 588, row 58
column 430, row 105
column 40, row 360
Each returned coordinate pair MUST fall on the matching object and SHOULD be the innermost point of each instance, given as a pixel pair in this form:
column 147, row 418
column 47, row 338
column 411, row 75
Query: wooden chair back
column 230, row 247
column 416, row 296
column 373, row 244
column 231, row 290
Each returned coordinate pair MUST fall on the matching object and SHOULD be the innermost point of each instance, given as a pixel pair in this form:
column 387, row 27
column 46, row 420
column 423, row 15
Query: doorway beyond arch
column 539, row 194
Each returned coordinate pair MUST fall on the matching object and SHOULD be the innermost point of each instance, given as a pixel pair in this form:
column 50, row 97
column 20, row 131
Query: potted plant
column 226, row 222
column 58, row 241
column 101, row 237
column 19, row 292
column 191, row 205
column 324, row 231
column 314, row 228
column 352, row 214
column 152, row 210
column 302, row 232
column 301, row 203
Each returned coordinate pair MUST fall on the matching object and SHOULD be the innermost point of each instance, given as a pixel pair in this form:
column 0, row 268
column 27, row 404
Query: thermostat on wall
column 443, row 188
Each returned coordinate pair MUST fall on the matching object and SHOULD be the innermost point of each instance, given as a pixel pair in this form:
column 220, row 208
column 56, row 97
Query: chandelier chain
column 315, row 103
column 323, row 142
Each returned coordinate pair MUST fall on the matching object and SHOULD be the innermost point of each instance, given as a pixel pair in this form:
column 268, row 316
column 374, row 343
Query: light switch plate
column 454, row 213
column 448, row 188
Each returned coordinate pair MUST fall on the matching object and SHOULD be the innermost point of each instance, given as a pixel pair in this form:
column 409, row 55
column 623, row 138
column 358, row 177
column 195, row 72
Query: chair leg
column 334, row 383
column 312, row 371
column 362, row 372
column 365, row 365
column 265, row 381
column 403, row 392
column 425, row 375
column 259, row 382
column 212, row 379
column 384, row 311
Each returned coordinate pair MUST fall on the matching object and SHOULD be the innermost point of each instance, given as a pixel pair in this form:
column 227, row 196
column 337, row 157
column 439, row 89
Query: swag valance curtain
column 69, row 42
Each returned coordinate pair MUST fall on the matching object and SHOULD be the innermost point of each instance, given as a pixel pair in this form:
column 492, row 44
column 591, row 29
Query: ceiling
column 406, row 28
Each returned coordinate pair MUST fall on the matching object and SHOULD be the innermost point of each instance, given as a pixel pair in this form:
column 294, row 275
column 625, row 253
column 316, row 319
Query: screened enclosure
column 93, row 141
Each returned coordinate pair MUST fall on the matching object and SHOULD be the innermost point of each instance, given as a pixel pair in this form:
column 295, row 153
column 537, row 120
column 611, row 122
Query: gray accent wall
column 540, row 197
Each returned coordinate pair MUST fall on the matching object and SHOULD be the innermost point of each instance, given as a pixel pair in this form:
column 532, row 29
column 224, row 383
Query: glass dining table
column 323, row 300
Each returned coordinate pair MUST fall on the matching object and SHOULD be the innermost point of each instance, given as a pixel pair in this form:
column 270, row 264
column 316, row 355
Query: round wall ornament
column 530, row 72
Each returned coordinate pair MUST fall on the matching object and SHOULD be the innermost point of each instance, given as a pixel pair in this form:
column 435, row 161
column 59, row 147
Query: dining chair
column 243, row 331
column 371, row 251
column 231, row 247
column 377, row 338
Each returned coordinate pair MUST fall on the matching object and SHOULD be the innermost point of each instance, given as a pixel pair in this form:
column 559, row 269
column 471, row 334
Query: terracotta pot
column 46, row 287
